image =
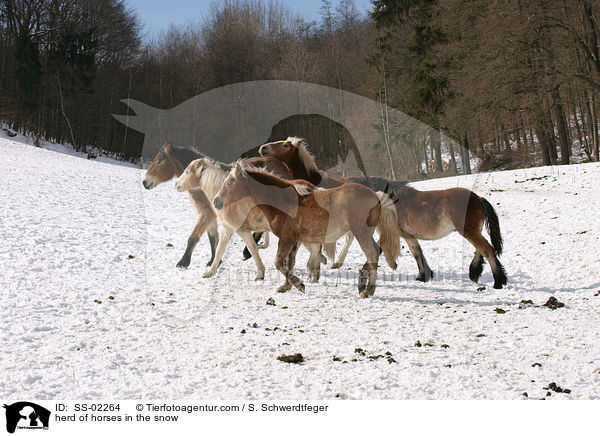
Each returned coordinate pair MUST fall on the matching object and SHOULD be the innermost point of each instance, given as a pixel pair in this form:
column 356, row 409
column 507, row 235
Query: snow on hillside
column 93, row 307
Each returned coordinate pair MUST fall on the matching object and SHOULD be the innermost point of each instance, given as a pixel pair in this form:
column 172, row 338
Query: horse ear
column 239, row 172
column 167, row 148
column 198, row 167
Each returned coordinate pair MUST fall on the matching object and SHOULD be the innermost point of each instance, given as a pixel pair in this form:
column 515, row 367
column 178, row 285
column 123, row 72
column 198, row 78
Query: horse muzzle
column 218, row 203
column 179, row 186
column 148, row 183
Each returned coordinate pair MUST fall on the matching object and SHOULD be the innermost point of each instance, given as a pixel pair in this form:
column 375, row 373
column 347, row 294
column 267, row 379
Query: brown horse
column 297, row 212
column 294, row 153
column 426, row 215
column 170, row 162
column 431, row 215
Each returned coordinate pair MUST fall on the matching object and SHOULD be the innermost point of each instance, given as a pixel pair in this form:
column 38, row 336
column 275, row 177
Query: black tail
column 493, row 226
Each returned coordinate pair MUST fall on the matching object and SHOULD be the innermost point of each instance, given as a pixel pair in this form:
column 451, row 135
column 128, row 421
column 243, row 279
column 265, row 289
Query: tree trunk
column 551, row 139
column 592, row 34
column 452, row 157
column 436, row 144
column 464, row 154
column 594, row 124
column 544, row 146
column 583, row 142
column 562, row 128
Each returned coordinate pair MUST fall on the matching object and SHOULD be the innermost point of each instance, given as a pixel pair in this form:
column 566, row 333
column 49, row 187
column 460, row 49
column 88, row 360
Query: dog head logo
column 25, row 415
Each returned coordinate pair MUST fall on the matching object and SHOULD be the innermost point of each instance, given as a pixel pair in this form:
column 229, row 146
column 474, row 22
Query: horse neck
column 183, row 158
column 299, row 171
column 404, row 192
column 179, row 167
column 262, row 194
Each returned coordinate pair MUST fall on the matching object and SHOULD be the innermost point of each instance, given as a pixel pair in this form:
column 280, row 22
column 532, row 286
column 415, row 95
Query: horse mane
column 396, row 189
column 213, row 176
column 306, row 157
column 184, row 155
column 265, row 177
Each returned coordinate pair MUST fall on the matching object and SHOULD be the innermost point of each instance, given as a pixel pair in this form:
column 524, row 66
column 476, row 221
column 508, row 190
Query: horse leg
column 213, row 239
column 200, row 227
column 246, row 254
column 476, row 267
column 368, row 274
column 347, row 243
column 314, row 262
column 265, row 243
column 483, row 248
column 282, row 259
column 290, row 262
column 224, row 237
column 248, row 238
column 425, row 273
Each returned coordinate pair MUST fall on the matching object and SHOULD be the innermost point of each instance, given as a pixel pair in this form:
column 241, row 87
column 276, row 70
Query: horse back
column 351, row 200
column 434, row 214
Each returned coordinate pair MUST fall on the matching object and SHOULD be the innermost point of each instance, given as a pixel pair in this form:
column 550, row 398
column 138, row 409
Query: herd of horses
column 283, row 192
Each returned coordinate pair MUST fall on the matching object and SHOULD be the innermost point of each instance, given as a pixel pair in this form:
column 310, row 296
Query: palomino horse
column 170, row 162
column 421, row 215
column 209, row 175
column 295, row 214
column 432, row 215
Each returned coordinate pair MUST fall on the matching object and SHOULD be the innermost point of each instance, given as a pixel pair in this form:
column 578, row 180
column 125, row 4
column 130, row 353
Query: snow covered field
column 92, row 306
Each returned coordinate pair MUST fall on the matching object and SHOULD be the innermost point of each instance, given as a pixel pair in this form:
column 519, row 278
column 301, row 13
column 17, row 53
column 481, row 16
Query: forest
column 515, row 82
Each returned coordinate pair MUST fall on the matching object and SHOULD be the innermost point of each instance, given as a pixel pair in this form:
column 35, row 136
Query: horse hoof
column 336, row 265
column 284, row 288
column 394, row 266
column 259, row 278
column 183, row 263
column 499, row 284
column 365, row 294
column 300, row 287
column 208, row 274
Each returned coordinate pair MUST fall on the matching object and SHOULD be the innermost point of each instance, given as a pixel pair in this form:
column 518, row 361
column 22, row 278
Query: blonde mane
column 305, row 156
column 211, row 177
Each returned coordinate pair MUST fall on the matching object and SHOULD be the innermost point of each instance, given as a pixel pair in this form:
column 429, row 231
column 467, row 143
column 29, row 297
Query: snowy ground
column 92, row 305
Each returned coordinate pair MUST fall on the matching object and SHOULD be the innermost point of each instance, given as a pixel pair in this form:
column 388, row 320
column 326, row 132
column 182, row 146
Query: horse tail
column 388, row 229
column 493, row 226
